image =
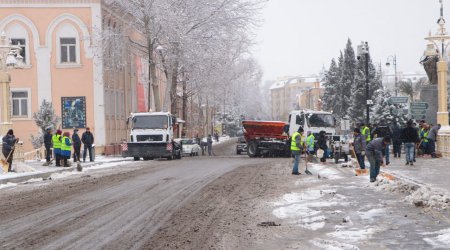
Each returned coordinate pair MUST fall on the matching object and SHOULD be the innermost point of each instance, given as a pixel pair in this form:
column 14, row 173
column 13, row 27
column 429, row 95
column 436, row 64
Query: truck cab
column 312, row 121
column 152, row 136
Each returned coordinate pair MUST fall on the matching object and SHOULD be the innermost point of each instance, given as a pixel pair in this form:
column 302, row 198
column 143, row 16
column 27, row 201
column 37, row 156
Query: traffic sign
column 419, row 105
column 419, row 117
column 398, row 99
column 418, row 111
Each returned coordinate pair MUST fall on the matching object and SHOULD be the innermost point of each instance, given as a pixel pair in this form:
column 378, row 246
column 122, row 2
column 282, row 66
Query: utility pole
column 363, row 51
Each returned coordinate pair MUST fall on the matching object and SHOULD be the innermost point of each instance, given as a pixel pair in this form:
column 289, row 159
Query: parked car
column 190, row 147
column 241, row 145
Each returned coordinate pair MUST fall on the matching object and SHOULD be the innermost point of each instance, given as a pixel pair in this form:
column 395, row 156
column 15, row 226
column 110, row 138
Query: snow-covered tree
column 383, row 112
column 44, row 118
column 331, row 83
column 347, row 79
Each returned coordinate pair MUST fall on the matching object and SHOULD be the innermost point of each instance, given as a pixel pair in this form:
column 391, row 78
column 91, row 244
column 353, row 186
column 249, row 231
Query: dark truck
column 267, row 138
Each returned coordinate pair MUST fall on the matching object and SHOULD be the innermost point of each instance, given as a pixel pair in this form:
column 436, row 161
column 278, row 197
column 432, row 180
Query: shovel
column 306, row 165
column 5, row 164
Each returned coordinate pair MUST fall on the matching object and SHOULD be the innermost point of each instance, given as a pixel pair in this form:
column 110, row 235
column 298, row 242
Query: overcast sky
column 300, row 36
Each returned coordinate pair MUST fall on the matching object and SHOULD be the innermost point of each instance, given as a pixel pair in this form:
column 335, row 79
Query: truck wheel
column 252, row 150
column 170, row 158
column 136, row 158
column 346, row 158
column 238, row 152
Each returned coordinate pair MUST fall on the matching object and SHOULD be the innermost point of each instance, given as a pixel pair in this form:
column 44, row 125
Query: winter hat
column 300, row 130
column 356, row 130
column 66, row 134
column 75, row 130
column 58, row 132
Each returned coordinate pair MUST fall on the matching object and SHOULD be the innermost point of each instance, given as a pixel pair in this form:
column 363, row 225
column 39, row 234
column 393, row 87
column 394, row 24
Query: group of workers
column 373, row 145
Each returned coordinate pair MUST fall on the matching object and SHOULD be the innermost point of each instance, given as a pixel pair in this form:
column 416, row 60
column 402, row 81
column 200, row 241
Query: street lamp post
column 9, row 58
column 363, row 51
column 394, row 61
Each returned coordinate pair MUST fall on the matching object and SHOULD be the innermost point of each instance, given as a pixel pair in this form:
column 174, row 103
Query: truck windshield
column 150, row 122
column 320, row 120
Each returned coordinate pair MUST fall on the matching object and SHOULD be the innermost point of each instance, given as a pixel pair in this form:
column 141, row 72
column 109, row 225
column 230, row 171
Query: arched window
column 18, row 35
column 67, row 45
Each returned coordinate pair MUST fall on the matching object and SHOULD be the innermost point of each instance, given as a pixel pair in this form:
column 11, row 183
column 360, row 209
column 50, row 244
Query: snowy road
column 112, row 211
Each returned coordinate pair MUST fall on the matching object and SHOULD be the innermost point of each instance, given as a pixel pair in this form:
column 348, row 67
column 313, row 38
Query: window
column 19, row 100
column 68, row 50
column 22, row 42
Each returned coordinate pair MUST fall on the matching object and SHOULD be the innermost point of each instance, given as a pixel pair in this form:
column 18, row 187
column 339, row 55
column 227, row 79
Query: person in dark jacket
column 48, row 145
column 322, row 144
column 359, row 145
column 76, row 143
column 374, row 153
column 396, row 141
column 410, row 137
column 209, row 142
column 88, row 139
column 8, row 142
column 432, row 134
column 380, row 131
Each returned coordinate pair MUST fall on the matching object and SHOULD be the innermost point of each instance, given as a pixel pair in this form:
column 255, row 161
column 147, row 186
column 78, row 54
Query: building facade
column 290, row 93
column 68, row 63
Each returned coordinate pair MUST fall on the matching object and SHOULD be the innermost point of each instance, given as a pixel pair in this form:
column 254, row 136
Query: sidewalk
column 39, row 171
column 426, row 182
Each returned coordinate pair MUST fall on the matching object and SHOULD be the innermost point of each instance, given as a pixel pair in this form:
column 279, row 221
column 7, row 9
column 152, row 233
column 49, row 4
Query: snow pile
column 305, row 209
column 21, row 167
column 441, row 240
column 371, row 214
column 427, row 197
column 419, row 195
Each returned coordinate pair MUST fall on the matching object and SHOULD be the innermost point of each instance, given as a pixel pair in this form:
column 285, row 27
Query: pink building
column 69, row 63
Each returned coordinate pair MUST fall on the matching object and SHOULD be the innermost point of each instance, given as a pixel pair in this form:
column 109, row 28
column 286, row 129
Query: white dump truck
column 312, row 121
column 152, row 136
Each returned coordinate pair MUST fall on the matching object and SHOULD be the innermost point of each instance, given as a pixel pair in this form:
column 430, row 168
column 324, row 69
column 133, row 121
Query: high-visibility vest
column 64, row 145
column 310, row 142
column 293, row 141
column 366, row 132
column 56, row 139
column 425, row 136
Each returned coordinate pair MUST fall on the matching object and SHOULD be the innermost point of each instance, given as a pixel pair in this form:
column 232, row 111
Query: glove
column 363, row 153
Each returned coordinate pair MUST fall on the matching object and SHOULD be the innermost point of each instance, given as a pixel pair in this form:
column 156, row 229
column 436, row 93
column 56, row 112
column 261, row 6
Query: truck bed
column 255, row 130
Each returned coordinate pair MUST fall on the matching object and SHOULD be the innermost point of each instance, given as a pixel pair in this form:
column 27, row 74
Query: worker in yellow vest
column 56, row 139
column 365, row 131
column 310, row 143
column 66, row 148
column 297, row 145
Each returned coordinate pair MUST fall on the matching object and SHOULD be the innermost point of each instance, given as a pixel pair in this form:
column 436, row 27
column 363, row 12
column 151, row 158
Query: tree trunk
column 185, row 102
column 173, row 89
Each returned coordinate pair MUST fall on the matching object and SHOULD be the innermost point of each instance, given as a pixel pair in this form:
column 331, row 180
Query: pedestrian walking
column 359, row 146
column 322, row 144
column 8, row 145
column 296, row 149
column 209, row 142
column 432, row 140
column 88, row 139
column 374, row 152
column 66, row 148
column 76, row 146
column 216, row 136
column 396, row 141
column 48, row 145
column 56, row 139
column 409, row 137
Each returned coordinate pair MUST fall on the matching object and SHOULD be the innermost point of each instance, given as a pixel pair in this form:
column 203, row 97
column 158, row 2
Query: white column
column 44, row 79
